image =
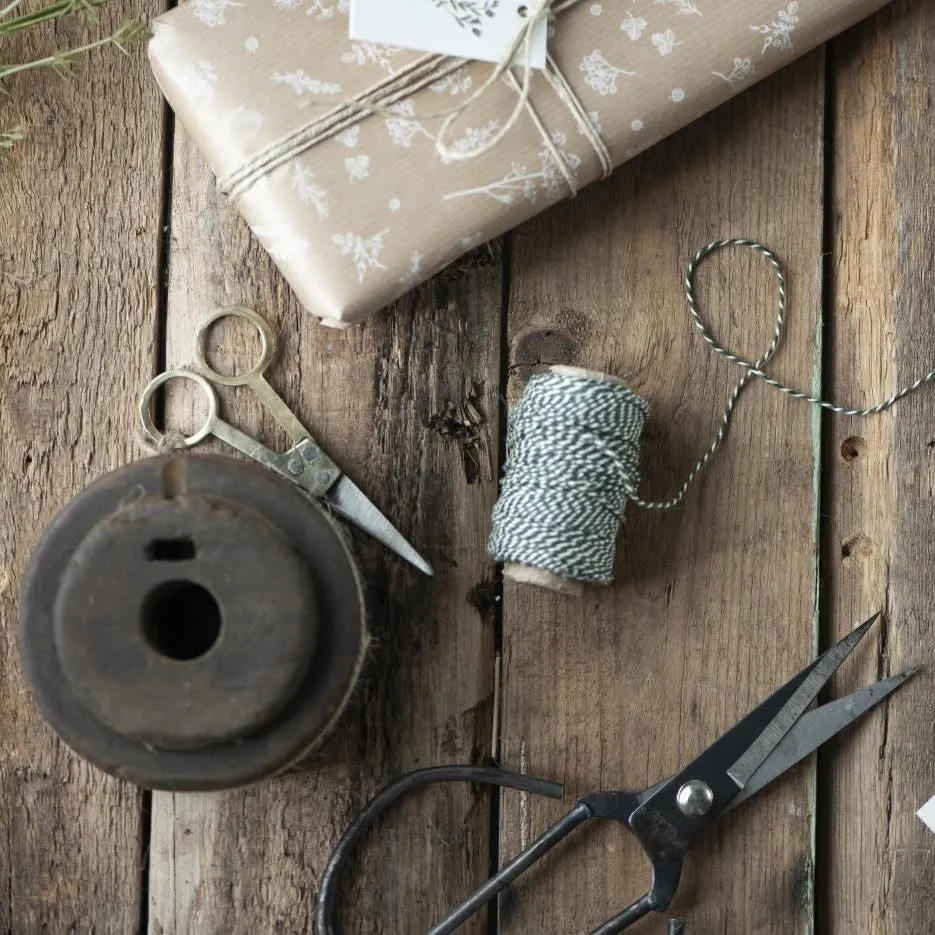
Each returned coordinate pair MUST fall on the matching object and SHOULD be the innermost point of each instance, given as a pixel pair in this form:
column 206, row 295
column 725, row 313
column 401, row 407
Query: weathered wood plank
column 713, row 605
column 80, row 211
column 880, row 874
column 376, row 396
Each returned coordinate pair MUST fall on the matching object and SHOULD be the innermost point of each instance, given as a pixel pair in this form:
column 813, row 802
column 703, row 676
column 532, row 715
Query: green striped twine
column 573, row 463
column 573, row 454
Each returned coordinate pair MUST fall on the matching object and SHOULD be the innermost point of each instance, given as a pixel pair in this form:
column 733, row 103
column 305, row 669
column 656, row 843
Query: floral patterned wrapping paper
column 371, row 209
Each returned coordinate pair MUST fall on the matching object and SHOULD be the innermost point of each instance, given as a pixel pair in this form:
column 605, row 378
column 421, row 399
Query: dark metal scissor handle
column 410, row 782
column 613, row 805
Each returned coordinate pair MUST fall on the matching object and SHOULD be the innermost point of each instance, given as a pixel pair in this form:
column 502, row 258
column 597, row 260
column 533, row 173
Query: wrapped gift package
column 329, row 146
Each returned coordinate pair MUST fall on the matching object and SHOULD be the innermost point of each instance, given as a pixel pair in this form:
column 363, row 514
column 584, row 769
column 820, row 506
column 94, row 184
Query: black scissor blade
column 744, row 747
column 816, row 676
column 815, row 728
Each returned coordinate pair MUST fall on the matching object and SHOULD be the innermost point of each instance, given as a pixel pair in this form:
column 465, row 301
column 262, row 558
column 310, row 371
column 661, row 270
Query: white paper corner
column 927, row 813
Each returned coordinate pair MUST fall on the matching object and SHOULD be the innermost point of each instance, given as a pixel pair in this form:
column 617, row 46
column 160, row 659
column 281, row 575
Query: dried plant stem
column 62, row 62
column 52, row 11
column 7, row 10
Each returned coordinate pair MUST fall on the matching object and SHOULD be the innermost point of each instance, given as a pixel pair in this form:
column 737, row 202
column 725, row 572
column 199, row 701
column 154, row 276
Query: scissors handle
column 267, row 346
column 324, row 911
column 609, row 805
column 506, row 875
column 304, row 464
column 160, row 438
column 254, row 377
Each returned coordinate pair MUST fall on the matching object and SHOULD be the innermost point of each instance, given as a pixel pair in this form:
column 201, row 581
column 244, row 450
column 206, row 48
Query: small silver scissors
column 305, row 464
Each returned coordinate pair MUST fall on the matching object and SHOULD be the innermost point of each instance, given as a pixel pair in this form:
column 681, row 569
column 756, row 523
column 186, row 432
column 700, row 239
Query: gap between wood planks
column 822, row 846
column 493, row 915
column 159, row 365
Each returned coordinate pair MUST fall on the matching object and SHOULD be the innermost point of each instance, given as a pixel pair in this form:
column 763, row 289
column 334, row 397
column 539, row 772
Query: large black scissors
column 668, row 818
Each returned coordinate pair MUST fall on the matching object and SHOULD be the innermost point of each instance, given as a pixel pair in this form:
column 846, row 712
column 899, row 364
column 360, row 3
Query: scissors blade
column 348, row 500
column 815, row 728
column 811, row 681
column 745, row 746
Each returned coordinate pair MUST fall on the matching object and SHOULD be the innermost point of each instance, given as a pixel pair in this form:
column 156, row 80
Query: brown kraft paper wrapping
column 357, row 208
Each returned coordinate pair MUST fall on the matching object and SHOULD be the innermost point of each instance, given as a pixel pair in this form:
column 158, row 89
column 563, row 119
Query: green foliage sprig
column 61, row 61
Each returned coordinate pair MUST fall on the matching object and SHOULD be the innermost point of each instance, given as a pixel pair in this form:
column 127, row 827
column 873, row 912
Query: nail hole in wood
column 852, row 448
column 855, row 548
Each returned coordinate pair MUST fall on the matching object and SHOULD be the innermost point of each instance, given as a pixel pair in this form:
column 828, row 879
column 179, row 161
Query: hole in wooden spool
column 171, row 550
column 181, row 620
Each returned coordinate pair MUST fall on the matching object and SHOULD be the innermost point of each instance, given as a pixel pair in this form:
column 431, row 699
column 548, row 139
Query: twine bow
column 523, row 43
column 383, row 98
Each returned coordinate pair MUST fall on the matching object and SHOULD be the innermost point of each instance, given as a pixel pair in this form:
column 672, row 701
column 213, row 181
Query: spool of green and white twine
column 573, row 456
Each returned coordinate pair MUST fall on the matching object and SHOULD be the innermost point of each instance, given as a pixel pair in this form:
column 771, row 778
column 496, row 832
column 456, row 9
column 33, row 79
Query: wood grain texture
column 879, row 551
column 78, row 276
column 714, row 603
column 383, row 400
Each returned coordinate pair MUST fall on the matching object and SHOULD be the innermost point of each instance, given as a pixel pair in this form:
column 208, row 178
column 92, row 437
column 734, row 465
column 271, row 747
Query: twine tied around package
column 384, row 97
column 573, row 454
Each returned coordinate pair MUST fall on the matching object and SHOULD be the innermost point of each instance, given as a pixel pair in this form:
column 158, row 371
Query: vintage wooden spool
column 192, row 622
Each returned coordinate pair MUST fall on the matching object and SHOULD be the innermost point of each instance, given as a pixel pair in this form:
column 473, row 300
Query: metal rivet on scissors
column 669, row 817
column 305, row 463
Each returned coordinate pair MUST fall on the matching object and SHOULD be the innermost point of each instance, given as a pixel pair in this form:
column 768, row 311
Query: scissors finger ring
column 158, row 437
column 267, row 346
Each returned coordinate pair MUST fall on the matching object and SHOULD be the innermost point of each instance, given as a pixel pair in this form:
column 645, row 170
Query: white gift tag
column 927, row 813
column 475, row 29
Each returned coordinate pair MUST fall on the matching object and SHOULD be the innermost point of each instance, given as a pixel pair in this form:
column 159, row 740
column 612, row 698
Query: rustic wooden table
column 115, row 245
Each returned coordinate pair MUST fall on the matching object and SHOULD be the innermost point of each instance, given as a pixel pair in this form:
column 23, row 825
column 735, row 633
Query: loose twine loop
column 169, row 441
column 523, row 42
column 573, row 454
